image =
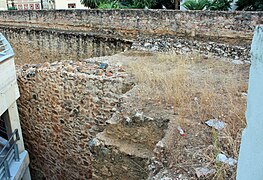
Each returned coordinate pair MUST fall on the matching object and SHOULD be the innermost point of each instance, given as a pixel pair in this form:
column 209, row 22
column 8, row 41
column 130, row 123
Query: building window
column 72, row 6
column 31, row 6
column 25, row 6
column 5, row 129
column 37, row 6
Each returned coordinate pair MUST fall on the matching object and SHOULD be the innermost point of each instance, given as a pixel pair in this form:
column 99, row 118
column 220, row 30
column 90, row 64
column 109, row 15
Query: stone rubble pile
column 182, row 46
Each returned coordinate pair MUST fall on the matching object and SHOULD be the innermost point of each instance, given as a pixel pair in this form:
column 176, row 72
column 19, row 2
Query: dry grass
column 198, row 89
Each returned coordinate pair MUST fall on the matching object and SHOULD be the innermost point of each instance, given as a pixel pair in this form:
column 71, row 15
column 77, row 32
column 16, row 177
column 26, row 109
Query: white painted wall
column 63, row 4
column 250, row 162
column 3, row 5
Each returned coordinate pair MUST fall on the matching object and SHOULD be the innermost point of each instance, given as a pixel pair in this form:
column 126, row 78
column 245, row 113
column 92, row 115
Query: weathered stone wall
column 39, row 46
column 62, row 106
column 63, row 32
column 239, row 54
column 229, row 27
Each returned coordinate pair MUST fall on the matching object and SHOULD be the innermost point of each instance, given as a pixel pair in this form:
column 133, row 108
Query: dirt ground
column 187, row 91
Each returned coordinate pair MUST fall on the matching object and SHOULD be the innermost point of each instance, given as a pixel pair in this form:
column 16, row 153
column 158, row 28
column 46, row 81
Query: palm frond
column 195, row 4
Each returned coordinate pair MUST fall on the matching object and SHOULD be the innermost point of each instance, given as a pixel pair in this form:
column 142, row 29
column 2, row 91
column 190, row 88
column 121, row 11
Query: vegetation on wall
column 169, row 4
column 250, row 5
column 116, row 4
column 219, row 5
column 143, row 3
column 90, row 3
column 110, row 5
column 11, row 8
column 195, row 4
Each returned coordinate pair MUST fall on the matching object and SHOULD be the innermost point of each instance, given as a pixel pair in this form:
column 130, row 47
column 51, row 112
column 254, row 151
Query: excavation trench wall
column 62, row 107
column 39, row 46
column 226, row 34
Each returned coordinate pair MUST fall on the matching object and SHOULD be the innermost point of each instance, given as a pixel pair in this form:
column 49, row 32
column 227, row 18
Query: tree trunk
column 176, row 4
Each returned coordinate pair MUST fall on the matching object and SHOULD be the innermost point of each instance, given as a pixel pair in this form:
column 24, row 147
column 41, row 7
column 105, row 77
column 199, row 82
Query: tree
column 169, row 4
column 250, row 5
column 220, row 5
column 143, row 3
column 195, row 4
column 91, row 3
column 111, row 5
column 119, row 3
column 13, row 3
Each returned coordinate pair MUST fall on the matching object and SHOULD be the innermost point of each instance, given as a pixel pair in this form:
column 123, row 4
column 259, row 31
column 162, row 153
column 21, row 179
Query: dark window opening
column 5, row 129
column 72, row 6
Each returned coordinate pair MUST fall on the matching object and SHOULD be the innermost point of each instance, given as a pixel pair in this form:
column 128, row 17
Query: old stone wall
column 63, row 105
column 238, row 54
column 39, row 46
column 229, row 27
column 65, row 32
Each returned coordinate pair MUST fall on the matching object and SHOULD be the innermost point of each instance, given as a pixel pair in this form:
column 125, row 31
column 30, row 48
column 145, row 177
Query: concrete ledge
column 9, row 91
column 18, row 169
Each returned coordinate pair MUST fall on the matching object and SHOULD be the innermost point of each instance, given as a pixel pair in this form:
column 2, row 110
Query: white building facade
column 3, row 5
column 41, row 4
column 25, row 4
column 68, row 4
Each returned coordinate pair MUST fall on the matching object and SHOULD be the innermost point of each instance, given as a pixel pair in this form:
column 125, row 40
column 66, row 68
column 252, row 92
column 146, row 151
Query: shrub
column 250, row 5
column 91, row 3
column 220, row 5
column 195, row 4
column 143, row 3
column 109, row 5
column 11, row 8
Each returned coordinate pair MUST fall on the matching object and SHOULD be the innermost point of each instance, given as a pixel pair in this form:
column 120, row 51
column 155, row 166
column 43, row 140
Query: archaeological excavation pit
column 72, row 113
column 84, row 119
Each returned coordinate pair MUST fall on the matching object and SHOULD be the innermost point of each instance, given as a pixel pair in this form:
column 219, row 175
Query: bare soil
column 184, row 91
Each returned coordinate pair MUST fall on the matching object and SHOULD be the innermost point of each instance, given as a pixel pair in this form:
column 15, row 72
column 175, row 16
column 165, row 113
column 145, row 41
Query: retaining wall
column 38, row 46
column 77, row 34
column 62, row 107
column 229, row 27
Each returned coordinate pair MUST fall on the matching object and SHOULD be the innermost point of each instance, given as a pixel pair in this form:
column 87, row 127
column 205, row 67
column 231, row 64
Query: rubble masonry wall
column 62, row 107
column 37, row 33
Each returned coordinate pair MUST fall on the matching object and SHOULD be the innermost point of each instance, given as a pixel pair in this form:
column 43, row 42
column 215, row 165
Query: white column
column 250, row 162
column 15, row 124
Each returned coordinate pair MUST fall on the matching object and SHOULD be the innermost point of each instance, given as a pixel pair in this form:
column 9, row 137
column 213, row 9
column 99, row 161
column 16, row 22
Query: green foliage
column 115, row 4
column 143, row 3
column 91, row 3
column 110, row 5
column 195, row 4
column 220, row 5
column 11, row 8
column 169, row 4
column 250, row 5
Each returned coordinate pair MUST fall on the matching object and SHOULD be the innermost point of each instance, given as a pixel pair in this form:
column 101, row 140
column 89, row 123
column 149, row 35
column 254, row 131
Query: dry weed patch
column 197, row 89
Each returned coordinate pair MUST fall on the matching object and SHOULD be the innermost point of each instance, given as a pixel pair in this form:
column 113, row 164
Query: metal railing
column 8, row 154
column 6, row 51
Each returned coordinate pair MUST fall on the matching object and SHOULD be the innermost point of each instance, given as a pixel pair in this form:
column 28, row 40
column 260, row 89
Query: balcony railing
column 8, row 154
column 6, row 50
